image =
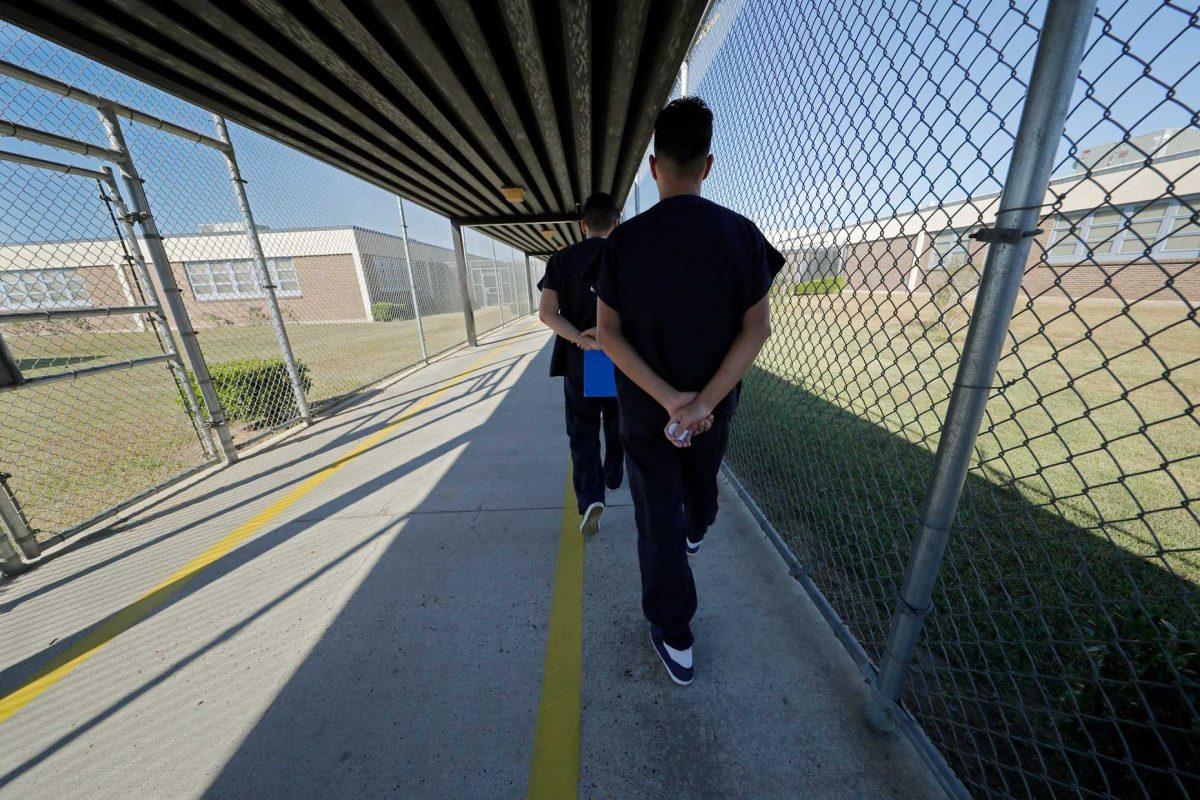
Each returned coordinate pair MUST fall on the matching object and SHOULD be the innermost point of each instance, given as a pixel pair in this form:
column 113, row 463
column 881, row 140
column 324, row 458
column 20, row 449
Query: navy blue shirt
column 682, row 275
column 569, row 273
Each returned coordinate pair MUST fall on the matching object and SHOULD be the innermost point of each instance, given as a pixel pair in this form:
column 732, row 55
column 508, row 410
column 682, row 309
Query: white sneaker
column 692, row 547
column 678, row 662
column 591, row 519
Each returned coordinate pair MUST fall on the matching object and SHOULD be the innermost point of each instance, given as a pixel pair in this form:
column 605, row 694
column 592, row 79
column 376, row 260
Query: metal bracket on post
column 264, row 273
column 412, row 281
column 1055, row 68
column 14, row 520
column 170, row 287
column 1003, row 235
column 464, row 283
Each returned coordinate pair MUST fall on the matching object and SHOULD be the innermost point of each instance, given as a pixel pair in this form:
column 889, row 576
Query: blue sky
column 826, row 112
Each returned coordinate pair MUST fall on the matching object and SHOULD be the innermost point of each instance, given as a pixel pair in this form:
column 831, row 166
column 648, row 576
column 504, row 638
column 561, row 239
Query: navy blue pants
column 585, row 417
column 674, row 496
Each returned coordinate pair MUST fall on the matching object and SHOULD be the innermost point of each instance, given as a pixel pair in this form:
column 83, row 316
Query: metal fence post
column 499, row 281
column 10, row 561
column 264, row 272
column 13, row 518
column 464, row 283
column 162, row 266
column 412, row 281
column 529, row 284
column 158, row 321
column 1055, row 68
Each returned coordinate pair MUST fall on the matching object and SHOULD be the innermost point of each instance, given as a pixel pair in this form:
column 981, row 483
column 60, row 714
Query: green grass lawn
column 1068, row 597
column 77, row 448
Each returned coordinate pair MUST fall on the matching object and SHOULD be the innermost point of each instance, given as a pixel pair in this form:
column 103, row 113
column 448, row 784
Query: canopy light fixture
column 513, row 194
column 548, row 233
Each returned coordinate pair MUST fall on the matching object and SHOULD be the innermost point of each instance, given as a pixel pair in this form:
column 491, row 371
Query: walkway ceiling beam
column 447, row 103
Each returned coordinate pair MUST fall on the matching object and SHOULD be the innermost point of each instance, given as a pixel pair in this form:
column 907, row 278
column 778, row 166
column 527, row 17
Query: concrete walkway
column 363, row 610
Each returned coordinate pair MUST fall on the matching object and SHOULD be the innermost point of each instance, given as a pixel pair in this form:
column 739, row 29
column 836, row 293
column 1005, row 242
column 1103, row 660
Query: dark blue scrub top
column 682, row 275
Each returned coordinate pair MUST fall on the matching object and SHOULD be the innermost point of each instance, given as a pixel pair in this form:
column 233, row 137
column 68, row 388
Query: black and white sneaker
column 591, row 519
column 678, row 662
column 692, row 547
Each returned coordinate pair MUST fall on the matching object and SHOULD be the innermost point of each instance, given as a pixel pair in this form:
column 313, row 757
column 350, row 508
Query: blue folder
column 598, row 376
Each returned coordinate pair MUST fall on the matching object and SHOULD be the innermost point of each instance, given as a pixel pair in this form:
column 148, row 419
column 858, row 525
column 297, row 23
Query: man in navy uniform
column 568, row 307
column 682, row 312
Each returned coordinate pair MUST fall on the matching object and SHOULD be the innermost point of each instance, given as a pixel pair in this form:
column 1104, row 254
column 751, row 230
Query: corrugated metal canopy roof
column 441, row 101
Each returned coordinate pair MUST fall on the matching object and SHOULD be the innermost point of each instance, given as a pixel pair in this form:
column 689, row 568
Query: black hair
column 600, row 212
column 683, row 131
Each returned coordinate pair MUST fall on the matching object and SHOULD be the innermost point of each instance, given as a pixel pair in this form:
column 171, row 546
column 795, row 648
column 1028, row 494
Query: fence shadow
column 354, row 714
column 1084, row 653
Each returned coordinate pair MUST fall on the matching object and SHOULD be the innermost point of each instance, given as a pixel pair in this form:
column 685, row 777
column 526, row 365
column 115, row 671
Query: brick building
column 321, row 275
column 1124, row 226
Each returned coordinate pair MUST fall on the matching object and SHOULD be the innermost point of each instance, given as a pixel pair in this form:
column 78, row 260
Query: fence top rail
column 17, row 72
column 52, row 166
column 28, row 134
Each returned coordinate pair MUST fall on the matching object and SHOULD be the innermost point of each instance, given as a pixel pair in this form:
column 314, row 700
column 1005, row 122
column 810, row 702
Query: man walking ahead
column 568, row 307
column 682, row 312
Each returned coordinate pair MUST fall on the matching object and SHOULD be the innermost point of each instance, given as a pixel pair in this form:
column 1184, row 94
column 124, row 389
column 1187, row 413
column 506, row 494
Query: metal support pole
column 158, row 320
column 264, row 273
column 10, row 560
column 464, row 283
column 499, row 281
column 13, row 518
column 637, row 198
column 412, row 281
column 1055, row 68
column 529, row 284
column 174, row 297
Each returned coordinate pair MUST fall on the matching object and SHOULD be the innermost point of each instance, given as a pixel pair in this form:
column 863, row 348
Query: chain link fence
column 76, row 438
column 358, row 299
column 869, row 140
column 497, row 281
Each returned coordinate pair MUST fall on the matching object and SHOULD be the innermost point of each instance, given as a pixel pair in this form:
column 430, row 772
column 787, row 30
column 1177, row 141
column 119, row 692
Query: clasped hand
column 586, row 340
column 688, row 417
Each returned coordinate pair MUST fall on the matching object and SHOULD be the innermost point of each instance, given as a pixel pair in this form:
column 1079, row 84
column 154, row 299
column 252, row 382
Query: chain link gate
column 81, row 320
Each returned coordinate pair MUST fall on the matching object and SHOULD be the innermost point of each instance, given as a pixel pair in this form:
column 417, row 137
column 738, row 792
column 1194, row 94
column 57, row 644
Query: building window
column 390, row 273
column 237, row 279
column 950, row 251
column 1067, row 234
column 816, row 263
column 24, row 289
column 1128, row 232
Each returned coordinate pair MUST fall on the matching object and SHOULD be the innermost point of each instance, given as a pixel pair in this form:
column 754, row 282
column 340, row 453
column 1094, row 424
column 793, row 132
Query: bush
column 256, row 391
column 388, row 312
column 830, row 285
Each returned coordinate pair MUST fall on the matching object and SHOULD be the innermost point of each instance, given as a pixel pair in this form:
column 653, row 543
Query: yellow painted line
column 115, row 624
column 554, row 771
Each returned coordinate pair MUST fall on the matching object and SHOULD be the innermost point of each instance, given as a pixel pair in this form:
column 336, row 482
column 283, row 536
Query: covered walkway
column 396, row 602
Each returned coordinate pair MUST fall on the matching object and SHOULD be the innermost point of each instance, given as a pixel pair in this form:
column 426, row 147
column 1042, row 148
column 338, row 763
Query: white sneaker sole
column 667, row 666
column 591, row 519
